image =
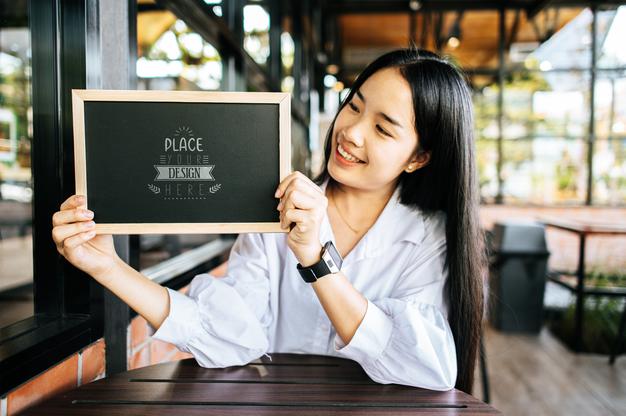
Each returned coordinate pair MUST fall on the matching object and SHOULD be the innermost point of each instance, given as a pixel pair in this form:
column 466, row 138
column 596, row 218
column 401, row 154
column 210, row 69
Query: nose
column 355, row 134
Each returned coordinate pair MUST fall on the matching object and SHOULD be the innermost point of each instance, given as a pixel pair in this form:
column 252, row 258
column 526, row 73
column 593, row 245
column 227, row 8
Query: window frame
column 67, row 303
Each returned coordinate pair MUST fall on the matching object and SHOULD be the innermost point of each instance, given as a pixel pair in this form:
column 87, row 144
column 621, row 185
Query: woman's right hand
column 75, row 237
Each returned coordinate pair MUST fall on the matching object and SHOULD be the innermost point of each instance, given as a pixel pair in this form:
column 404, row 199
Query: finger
column 79, row 239
column 63, row 232
column 73, row 201
column 300, row 217
column 282, row 187
column 297, row 184
column 299, row 199
column 71, row 215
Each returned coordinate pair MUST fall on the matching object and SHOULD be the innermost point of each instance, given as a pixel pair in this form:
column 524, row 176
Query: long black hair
column 442, row 107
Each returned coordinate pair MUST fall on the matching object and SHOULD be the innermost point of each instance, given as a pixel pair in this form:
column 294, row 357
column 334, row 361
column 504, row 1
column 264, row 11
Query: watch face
column 335, row 257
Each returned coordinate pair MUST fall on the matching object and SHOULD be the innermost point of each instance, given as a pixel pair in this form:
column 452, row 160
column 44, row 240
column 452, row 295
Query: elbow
column 414, row 374
column 222, row 354
column 445, row 382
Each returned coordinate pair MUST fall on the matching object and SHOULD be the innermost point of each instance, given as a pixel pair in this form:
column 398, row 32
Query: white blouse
column 262, row 305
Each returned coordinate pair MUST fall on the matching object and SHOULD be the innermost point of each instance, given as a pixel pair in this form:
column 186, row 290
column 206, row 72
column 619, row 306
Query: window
column 256, row 29
column 16, row 193
column 544, row 157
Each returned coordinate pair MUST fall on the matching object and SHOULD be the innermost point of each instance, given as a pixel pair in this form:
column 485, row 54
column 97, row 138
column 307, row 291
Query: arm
column 125, row 282
column 405, row 338
column 75, row 238
column 344, row 305
column 224, row 321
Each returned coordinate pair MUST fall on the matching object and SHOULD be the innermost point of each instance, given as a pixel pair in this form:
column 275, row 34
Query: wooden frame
column 79, row 97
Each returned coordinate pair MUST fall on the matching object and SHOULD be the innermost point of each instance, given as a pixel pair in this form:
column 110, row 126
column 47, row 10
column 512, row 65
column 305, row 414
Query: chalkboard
column 181, row 162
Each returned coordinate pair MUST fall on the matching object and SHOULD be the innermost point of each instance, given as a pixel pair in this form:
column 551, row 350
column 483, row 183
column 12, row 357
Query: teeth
column 347, row 155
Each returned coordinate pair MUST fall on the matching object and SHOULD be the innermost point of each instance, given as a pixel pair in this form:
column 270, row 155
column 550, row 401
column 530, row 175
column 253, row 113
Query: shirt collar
column 397, row 222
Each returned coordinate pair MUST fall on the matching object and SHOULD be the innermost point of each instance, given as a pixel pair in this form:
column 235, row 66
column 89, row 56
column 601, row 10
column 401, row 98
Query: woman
column 397, row 199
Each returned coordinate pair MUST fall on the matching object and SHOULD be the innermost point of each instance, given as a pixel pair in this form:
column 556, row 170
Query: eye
column 353, row 107
column 383, row 131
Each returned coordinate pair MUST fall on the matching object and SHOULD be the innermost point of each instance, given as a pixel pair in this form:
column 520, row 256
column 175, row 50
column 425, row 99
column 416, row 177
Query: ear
column 418, row 161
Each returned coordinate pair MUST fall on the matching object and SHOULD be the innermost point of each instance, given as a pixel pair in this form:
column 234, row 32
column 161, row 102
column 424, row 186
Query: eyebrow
column 385, row 116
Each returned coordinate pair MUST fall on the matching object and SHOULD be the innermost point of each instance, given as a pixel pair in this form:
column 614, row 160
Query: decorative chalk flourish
column 154, row 188
column 215, row 188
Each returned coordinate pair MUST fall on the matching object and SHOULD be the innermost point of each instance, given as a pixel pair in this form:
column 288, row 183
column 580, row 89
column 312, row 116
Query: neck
column 363, row 205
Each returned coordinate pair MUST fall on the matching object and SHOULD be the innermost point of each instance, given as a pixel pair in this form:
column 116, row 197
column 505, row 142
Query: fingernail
column 279, row 207
column 90, row 234
column 277, row 193
column 90, row 224
column 88, row 214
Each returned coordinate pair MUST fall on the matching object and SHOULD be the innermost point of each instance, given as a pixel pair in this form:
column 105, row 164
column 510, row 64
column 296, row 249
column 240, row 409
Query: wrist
column 310, row 256
column 108, row 273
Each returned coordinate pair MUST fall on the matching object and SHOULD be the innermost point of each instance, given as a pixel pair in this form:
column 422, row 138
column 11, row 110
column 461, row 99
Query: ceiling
column 357, row 31
column 364, row 36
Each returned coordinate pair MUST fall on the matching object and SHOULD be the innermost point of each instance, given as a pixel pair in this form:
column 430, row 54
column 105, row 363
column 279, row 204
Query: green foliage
column 601, row 316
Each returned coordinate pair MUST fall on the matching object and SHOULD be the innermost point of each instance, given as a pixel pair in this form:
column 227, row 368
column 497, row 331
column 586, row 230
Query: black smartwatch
column 330, row 263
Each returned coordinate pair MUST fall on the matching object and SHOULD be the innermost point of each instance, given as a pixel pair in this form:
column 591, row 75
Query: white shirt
column 262, row 304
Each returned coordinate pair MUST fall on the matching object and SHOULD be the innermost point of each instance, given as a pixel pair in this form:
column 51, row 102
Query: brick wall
column 88, row 365
column 83, row 367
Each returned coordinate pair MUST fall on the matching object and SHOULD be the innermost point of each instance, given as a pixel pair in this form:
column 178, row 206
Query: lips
column 347, row 155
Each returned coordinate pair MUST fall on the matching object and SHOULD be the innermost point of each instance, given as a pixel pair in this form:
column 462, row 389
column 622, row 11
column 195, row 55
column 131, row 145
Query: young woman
column 397, row 200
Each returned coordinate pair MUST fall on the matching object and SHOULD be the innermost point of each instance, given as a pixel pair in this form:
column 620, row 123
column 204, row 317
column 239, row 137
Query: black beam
column 501, row 73
column 275, row 61
column 514, row 30
column 45, row 156
column 232, row 63
column 592, row 114
column 402, row 6
column 536, row 7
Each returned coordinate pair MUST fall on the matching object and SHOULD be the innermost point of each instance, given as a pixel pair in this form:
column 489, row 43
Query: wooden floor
column 537, row 375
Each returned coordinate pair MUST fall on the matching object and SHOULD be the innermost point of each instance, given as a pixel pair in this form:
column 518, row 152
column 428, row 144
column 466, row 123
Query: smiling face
column 374, row 138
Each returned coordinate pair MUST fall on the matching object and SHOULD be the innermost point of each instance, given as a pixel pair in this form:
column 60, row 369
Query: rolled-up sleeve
column 224, row 321
column 405, row 338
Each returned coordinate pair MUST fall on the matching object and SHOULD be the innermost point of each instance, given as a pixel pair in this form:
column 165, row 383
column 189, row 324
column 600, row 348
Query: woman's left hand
column 304, row 204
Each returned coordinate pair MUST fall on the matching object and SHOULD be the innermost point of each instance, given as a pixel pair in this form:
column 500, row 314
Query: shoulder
column 435, row 226
column 420, row 227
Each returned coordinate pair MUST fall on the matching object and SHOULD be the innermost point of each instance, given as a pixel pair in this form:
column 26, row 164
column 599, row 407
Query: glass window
column 487, row 160
column 16, row 259
column 173, row 57
column 256, row 30
column 610, row 38
column 544, row 170
column 563, row 40
column 287, row 54
column 609, row 154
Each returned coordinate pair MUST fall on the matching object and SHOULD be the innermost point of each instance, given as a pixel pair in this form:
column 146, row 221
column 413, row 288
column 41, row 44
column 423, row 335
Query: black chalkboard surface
column 181, row 162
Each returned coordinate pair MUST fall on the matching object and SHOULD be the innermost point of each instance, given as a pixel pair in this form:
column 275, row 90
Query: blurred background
column 549, row 88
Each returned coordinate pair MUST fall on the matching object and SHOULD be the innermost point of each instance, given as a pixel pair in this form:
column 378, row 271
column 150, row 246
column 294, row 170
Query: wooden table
column 583, row 229
column 288, row 384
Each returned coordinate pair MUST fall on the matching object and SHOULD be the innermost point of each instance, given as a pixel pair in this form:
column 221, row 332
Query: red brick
column 180, row 355
column 138, row 331
column 60, row 378
column 140, row 358
column 93, row 358
column 161, row 351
